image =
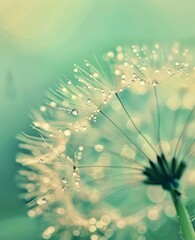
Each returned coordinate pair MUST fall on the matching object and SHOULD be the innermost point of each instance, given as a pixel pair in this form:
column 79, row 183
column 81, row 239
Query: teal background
column 40, row 40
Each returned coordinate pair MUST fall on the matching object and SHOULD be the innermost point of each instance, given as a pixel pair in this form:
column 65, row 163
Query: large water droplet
column 74, row 112
column 67, row 132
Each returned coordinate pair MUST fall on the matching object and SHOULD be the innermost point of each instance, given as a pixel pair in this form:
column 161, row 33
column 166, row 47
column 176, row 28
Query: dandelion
column 111, row 140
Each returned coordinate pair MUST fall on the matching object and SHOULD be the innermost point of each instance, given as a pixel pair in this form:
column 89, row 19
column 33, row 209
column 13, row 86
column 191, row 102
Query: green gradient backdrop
column 40, row 40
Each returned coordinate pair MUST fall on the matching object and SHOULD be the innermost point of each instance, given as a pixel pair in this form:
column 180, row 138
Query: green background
column 39, row 41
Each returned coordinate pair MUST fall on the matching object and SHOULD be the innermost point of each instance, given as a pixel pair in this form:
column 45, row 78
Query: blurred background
column 39, row 41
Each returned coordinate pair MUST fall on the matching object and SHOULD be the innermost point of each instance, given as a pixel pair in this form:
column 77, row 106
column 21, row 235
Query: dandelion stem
column 184, row 219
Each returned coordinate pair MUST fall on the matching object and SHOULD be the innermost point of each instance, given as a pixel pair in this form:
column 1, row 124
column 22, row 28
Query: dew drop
column 74, row 168
column 64, row 180
column 123, row 76
column 76, row 232
column 84, row 128
column 154, row 83
column 75, row 173
column 67, row 132
column 87, row 63
column 142, row 82
column 110, row 54
column 81, row 148
column 117, row 72
column 95, row 75
column 74, row 112
column 43, row 108
column 76, row 182
column 42, row 201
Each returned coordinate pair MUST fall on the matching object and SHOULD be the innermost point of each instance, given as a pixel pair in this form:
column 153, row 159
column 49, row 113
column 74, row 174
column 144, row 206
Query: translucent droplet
column 52, row 104
column 76, row 182
column 99, row 147
column 64, row 180
column 74, row 168
column 81, row 148
column 75, row 112
column 110, row 54
column 123, row 76
column 76, row 232
column 117, row 72
column 84, row 128
column 42, row 201
column 43, row 108
column 142, row 82
column 67, row 132
column 87, row 63
column 75, row 173
column 95, row 75
column 154, row 83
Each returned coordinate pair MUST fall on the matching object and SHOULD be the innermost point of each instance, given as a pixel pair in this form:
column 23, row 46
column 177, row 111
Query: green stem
column 184, row 219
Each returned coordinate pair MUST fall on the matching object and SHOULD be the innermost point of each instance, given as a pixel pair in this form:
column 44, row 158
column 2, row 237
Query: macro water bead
column 112, row 155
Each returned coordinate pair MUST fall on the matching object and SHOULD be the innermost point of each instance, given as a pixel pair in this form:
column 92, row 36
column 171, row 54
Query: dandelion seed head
column 106, row 132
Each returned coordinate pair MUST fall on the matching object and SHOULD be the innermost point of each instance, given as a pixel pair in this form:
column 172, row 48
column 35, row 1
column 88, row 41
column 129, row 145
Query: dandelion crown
column 112, row 155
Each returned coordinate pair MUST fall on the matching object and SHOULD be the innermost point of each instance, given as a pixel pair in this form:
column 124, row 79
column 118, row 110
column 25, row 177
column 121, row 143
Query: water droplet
column 64, row 180
column 81, row 148
column 87, row 63
column 132, row 81
column 142, row 82
column 76, row 182
column 117, row 72
column 74, row 168
column 74, row 112
column 67, row 132
column 75, row 173
column 123, row 76
column 110, row 54
column 154, row 83
column 43, row 108
column 84, row 128
column 42, row 201
column 95, row 75
column 76, row 232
